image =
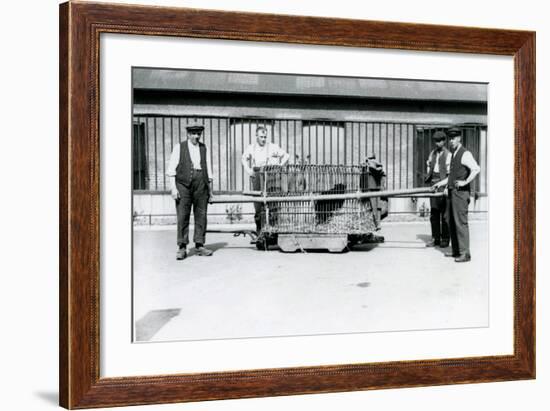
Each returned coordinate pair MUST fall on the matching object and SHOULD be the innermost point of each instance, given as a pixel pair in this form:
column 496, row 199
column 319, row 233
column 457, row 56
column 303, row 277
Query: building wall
column 192, row 103
column 307, row 142
column 312, row 129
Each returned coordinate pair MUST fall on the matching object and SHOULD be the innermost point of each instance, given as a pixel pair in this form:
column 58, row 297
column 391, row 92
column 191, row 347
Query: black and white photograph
column 277, row 205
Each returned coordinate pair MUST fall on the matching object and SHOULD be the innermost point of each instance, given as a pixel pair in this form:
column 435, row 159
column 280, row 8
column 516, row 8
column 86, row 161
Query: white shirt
column 436, row 162
column 194, row 153
column 468, row 161
column 269, row 154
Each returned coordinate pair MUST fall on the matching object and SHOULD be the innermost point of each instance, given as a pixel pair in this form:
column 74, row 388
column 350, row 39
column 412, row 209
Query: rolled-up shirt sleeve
column 469, row 161
column 283, row 155
column 246, row 157
column 448, row 163
column 174, row 161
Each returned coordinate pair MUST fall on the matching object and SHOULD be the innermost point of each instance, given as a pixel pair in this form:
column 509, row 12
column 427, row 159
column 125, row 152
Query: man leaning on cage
column 189, row 174
column 258, row 154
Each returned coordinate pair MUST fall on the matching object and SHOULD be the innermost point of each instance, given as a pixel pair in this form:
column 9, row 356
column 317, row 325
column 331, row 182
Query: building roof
column 288, row 84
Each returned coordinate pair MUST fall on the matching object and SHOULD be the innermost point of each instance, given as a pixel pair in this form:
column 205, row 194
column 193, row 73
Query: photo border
column 80, row 26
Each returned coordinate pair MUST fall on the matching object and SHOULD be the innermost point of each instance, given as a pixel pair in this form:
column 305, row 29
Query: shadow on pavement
column 364, row 247
column 152, row 322
column 213, row 246
column 315, row 251
column 427, row 238
column 424, row 238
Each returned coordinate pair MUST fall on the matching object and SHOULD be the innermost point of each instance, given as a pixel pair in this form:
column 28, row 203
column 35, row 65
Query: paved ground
column 242, row 292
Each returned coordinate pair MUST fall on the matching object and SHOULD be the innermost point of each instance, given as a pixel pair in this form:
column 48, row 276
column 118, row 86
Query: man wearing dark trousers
column 438, row 165
column 463, row 170
column 189, row 173
column 258, row 154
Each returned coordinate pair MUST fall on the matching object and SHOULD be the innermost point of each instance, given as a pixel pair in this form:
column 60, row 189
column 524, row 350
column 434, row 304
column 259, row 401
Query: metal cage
column 317, row 214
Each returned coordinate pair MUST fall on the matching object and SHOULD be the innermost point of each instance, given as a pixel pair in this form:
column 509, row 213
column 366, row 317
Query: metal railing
column 401, row 147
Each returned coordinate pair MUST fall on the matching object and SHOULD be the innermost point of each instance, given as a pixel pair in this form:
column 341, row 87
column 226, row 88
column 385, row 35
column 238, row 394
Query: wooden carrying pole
column 314, row 197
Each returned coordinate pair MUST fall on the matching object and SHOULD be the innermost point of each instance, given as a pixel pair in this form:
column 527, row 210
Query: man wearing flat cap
column 189, row 172
column 438, row 165
column 464, row 169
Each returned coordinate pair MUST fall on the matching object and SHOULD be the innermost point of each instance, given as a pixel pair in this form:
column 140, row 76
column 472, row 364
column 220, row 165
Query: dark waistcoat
column 442, row 163
column 458, row 170
column 184, row 170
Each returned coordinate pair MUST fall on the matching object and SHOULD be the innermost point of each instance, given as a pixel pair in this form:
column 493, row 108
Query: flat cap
column 454, row 131
column 194, row 125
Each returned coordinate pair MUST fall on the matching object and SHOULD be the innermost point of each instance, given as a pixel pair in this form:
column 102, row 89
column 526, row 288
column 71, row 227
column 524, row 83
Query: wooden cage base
column 335, row 243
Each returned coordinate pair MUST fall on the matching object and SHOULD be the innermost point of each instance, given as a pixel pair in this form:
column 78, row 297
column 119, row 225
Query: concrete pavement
column 241, row 292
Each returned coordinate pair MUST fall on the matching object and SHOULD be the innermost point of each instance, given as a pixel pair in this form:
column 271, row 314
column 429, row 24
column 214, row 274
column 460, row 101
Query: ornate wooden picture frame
column 81, row 25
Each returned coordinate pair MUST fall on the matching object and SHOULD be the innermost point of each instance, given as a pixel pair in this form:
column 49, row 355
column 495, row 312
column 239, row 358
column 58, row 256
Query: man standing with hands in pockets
column 463, row 170
column 189, row 173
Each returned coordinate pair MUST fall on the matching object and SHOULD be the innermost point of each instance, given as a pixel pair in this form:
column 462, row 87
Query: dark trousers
column 457, row 217
column 438, row 219
column 195, row 195
column 258, row 207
